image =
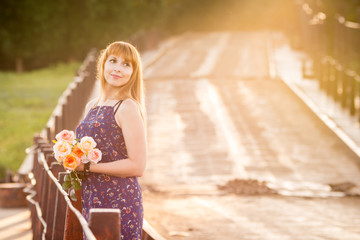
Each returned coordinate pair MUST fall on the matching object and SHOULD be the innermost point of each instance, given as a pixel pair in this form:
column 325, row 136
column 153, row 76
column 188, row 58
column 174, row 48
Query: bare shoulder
column 129, row 105
column 90, row 104
column 128, row 111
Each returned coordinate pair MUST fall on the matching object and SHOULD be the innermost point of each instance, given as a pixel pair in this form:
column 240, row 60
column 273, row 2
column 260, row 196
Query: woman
column 116, row 122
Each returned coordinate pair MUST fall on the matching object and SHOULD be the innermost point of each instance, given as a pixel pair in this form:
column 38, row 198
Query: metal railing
column 332, row 44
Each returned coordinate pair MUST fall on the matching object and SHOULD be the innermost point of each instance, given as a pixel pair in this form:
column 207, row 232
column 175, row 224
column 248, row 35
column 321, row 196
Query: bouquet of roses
column 70, row 152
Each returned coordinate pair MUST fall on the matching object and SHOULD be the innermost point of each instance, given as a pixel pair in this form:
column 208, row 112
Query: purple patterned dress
column 104, row 191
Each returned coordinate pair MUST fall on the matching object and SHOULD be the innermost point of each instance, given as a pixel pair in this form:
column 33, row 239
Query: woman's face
column 117, row 71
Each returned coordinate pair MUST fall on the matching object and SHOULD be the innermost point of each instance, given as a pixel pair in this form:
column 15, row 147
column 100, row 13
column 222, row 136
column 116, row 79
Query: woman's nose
column 117, row 68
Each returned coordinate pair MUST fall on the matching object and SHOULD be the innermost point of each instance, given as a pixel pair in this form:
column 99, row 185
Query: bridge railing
column 55, row 216
column 71, row 104
column 332, row 44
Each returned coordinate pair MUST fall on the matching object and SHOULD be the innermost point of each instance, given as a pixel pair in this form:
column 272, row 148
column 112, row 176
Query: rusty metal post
column 105, row 223
column 73, row 229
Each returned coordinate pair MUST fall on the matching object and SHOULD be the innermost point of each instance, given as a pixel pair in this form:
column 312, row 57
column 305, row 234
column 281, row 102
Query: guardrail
column 332, row 44
column 70, row 107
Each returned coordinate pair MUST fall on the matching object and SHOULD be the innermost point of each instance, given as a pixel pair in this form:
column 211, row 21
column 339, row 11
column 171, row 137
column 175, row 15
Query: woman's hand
column 80, row 167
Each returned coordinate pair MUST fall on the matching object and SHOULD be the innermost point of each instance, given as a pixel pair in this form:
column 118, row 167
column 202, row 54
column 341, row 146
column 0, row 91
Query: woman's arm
column 129, row 119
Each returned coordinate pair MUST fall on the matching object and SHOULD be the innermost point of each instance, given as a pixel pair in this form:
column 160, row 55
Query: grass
column 26, row 103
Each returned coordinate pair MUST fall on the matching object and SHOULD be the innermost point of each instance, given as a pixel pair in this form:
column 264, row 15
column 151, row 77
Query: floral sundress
column 104, row 191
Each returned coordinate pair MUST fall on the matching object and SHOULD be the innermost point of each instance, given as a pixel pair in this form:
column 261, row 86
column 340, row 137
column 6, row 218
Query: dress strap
column 117, row 105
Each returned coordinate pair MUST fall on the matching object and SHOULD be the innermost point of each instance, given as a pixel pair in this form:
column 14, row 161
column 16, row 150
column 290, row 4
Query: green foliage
column 72, row 183
column 43, row 32
column 26, row 103
column 77, row 185
column 66, row 185
column 67, row 178
column 73, row 195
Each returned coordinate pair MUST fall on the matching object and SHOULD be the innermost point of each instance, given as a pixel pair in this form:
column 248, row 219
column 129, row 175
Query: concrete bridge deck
column 215, row 114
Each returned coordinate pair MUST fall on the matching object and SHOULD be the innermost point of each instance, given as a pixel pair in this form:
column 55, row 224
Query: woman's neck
column 109, row 94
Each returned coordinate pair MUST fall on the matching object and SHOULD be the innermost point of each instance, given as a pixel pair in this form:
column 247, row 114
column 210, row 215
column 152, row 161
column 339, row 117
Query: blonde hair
column 134, row 88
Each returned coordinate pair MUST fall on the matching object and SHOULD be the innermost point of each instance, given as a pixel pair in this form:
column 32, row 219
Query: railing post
column 105, row 223
column 58, row 125
column 64, row 113
column 39, row 177
column 73, row 229
column 34, row 219
column 56, row 168
column 48, row 133
column 60, row 211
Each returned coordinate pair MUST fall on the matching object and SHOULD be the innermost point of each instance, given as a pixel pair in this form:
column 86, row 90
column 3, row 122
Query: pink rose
column 66, row 136
column 61, row 149
column 60, row 158
column 84, row 159
column 94, row 155
column 86, row 144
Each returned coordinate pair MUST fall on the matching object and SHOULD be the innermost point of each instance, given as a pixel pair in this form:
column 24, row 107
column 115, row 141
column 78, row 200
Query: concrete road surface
column 15, row 224
column 215, row 115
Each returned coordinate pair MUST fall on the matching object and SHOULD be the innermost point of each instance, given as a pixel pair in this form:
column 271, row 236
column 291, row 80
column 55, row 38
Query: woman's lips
column 115, row 76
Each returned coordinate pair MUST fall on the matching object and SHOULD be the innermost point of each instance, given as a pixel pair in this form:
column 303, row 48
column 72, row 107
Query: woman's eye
column 112, row 60
column 126, row 64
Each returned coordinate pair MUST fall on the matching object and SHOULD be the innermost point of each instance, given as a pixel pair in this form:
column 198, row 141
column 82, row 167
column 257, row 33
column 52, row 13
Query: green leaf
column 66, row 185
column 73, row 195
column 67, row 178
column 77, row 185
column 72, row 175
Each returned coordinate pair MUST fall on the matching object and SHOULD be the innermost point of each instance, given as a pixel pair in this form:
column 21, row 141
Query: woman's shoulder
column 128, row 107
column 128, row 112
column 90, row 104
column 130, row 104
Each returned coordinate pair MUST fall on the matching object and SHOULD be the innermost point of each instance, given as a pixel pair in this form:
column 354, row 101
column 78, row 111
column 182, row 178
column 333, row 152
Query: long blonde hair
column 134, row 88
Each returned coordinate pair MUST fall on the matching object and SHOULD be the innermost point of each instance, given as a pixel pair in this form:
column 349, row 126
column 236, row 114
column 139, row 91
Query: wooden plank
column 105, row 223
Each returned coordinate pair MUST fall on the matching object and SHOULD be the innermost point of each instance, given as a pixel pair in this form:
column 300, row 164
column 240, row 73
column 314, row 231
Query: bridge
column 242, row 145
